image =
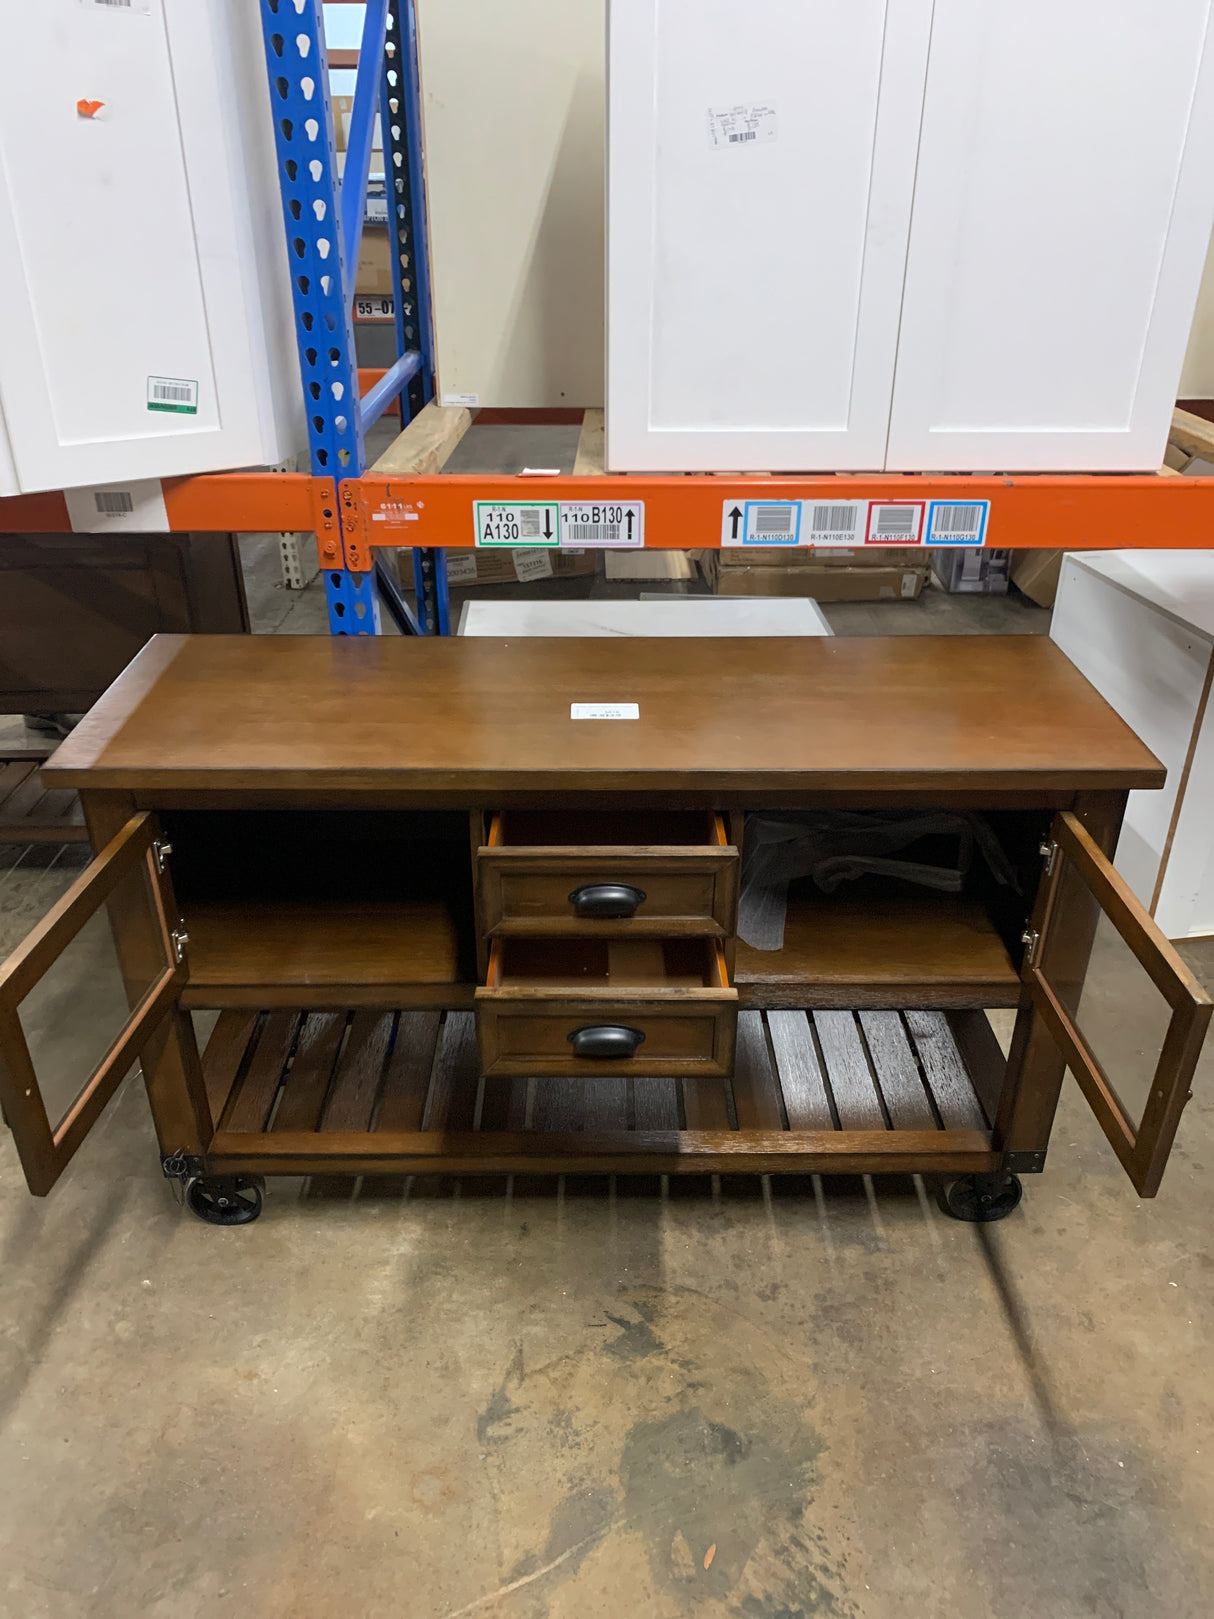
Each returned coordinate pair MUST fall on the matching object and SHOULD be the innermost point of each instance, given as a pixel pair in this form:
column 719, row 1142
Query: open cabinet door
column 82, row 996
column 1128, row 1015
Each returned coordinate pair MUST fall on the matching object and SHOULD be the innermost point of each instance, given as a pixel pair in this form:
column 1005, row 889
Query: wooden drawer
column 647, row 873
column 631, row 1006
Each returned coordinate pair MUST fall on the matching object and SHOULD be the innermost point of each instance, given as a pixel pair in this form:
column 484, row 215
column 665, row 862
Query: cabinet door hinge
column 163, row 849
column 180, row 939
column 1032, row 938
column 1049, row 853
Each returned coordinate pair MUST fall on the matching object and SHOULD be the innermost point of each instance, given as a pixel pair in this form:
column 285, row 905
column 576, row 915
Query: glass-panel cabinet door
column 80, row 998
column 1125, row 1011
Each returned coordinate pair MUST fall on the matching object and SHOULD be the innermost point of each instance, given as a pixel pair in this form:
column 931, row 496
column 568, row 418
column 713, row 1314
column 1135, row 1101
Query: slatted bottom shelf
column 32, row 813
column 368, row 1091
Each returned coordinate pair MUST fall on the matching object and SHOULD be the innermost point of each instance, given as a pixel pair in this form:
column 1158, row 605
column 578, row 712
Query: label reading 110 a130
column 517, row 523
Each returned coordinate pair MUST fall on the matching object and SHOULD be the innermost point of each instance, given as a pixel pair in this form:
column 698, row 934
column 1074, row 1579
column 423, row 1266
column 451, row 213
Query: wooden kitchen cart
column 449, row 927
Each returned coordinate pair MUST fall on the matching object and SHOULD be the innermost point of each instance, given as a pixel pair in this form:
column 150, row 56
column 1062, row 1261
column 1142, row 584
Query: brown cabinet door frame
column 45, row 1150
column 1143, row 1149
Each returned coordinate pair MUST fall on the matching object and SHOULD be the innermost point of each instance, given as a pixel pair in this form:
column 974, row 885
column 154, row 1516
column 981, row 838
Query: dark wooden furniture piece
column 76, row 608
column 448, row 927
column 31, row 812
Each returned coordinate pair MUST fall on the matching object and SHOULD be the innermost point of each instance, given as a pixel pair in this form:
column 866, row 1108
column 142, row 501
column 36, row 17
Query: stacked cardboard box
column 894, row 573
column 509, row 567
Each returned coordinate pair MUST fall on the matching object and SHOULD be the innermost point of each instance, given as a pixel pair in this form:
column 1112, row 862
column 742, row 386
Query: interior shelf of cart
column 311, row 945
column 572, row 965
column 611, row 829
column 888, row 947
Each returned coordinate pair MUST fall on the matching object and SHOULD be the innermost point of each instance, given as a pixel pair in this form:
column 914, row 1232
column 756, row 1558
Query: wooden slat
column 591, row 459
column 223, row 1056
column 851, row 1083
column 655, row 1103
column 403, row 1098
column 253, row 1097
column 805, row 1098
column 559, row 1105
column 456, row 1075
column 307, row 1084
column 756, row 1095
column 607, row 1102
column 1193, row 434
column 360, row 1069
column 25, row 798
column 945, row 1071
column 705, row 1105
column 983, row 1057
column 12, row 773
column 428, row 442
column 897, row 1071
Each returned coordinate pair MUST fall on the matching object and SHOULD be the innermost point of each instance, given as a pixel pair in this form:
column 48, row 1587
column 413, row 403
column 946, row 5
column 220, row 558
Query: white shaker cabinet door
column 761, row 171
column 1063, row 207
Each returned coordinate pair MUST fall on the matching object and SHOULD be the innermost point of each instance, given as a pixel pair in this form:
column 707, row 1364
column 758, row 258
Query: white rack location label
column 602, row 525
column 513, row 523
column 374, row 306
column 834, row 524
column 895, row 522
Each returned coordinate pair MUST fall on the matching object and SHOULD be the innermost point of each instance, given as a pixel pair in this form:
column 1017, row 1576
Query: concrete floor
column 567, row 1400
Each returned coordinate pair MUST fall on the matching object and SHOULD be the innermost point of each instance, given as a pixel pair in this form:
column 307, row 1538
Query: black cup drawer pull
column 610, row 1041
column 607, row 901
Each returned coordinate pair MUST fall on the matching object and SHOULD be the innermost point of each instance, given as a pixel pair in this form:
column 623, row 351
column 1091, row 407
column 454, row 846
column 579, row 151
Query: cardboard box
column 802, row 556
column 822, row 584
column 374, row 277
column 468, row 567
column 1037, row 573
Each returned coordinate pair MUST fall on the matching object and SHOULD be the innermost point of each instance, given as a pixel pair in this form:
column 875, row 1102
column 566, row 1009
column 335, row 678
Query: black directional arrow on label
column 629, row 525
column 736, row 514
column 547, row 522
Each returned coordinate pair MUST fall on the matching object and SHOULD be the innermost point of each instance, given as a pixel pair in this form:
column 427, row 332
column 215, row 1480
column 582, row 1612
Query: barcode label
column 747, row 124
column 113, row 502
column 775, row 522
column 895, row 523
column 136, row 8
column 178, row 395
column 842, row 524
column 513, row 523
column 605, row 525
column 958, row 522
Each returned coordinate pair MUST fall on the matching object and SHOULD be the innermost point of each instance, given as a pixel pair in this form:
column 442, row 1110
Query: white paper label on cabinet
column 761, row 522
column 747, row 124
column 135, row 507
column 178, row 396
column 958, row 522
column 607, row 524
column 129, row 8
column 517, row 522
column 895, row 522
column 604, row 711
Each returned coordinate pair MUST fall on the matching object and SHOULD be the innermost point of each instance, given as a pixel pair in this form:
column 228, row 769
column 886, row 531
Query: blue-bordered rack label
column 177, row 395
column 761, row 522
column 958, row 522
column 530, row 523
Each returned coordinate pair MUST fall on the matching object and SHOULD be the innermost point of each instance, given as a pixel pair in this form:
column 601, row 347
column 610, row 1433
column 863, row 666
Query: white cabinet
column 962, row 237
column 145, row 322
column 761, row 170
column 1140, row 626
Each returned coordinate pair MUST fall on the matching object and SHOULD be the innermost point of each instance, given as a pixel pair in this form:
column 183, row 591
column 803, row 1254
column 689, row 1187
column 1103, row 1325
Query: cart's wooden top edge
column 912, row 712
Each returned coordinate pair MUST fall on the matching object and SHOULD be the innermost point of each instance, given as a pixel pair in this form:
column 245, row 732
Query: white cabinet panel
column 145, row 327
column 1062, row 212
column 761, row 169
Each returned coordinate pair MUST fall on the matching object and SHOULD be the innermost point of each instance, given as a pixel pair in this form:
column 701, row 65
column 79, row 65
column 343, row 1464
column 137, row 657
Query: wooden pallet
column 32, row 813
column 358, row 1078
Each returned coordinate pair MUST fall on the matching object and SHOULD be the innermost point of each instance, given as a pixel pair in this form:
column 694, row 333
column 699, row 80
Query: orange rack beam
column 1106, row 511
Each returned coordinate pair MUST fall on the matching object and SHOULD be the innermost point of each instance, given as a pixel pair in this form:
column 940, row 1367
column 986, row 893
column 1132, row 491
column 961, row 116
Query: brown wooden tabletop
column 955, row 713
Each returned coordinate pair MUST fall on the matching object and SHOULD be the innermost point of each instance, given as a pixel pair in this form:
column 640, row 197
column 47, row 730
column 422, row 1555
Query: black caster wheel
column 225, row 1199
column 979, row 1199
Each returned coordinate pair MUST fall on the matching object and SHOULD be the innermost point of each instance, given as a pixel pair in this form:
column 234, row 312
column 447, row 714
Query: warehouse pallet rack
column 405, row 500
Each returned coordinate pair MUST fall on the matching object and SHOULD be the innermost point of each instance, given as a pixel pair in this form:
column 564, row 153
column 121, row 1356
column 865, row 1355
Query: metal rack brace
column 324, row 214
